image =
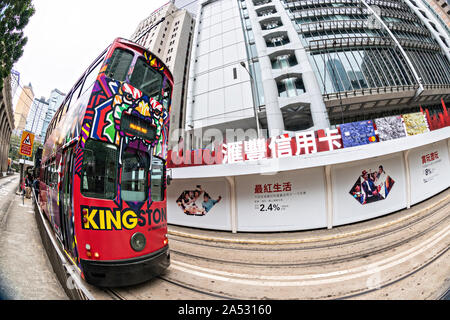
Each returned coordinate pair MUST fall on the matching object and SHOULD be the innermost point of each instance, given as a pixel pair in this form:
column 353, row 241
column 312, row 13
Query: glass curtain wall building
column 316, row 63
column 355, row 50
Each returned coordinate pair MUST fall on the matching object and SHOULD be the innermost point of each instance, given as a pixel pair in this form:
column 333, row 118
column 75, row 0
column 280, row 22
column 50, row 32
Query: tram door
column 66, row 201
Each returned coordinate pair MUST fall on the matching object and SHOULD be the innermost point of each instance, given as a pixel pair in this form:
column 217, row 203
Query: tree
column 14, row 16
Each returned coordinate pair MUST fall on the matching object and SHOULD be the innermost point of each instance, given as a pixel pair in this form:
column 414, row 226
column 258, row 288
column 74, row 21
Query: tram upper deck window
column 146, row 79
column 119, row 64
column 134, row 175
column 99, row 170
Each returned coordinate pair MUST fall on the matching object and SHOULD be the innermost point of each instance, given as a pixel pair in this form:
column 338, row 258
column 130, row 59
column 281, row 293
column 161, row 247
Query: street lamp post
column 258, row 129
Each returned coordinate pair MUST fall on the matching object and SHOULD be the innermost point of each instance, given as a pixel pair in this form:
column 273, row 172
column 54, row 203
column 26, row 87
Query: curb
column 308, row 240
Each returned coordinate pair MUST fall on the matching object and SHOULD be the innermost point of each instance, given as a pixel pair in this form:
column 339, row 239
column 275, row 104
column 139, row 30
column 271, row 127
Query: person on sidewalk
column 36, row 188
column 28, row 185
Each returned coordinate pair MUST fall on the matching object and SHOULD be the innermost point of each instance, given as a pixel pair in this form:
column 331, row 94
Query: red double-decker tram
column 103, row 168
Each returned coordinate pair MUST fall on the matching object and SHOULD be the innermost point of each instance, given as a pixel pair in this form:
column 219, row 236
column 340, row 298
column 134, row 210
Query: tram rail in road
column 187, row 268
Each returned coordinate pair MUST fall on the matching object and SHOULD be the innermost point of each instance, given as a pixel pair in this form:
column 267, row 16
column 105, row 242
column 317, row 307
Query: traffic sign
column 26, row 144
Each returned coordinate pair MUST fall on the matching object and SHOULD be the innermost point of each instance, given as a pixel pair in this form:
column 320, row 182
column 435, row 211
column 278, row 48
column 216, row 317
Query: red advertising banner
column 307, row 142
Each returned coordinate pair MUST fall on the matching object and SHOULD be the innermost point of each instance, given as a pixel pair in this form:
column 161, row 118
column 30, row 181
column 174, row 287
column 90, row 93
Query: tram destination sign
column 26, row 144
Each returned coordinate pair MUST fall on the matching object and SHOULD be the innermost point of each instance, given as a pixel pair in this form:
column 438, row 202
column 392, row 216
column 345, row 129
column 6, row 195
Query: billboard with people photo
column 372, row 186
column 197, row 202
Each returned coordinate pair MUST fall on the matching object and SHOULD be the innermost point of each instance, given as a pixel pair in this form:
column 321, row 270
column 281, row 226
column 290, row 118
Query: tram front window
column 99, row 170
column 146, row 79
column 119, row 65
column 134, row 175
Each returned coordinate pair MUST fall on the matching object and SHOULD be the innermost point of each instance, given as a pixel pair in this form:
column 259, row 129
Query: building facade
column 54, row 102
column 36, row 116
column 6, row 123
column 22, row 108
column 189, row 5
column 294, row 65
column 168, row 33
column 441, row 8
column 15, row 81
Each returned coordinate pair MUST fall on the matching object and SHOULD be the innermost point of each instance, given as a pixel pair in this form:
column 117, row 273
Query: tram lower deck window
column 98, row 177
column 157, row 179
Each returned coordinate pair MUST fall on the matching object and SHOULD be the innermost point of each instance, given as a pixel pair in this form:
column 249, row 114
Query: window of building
column 277, row 41
column 272, row 24
column 284, row 61
column 266, row 11
column 290, row 87
column 261, row 2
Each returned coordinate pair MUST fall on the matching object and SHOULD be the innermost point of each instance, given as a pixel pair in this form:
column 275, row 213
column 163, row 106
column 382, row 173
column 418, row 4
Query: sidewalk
column 25, row 271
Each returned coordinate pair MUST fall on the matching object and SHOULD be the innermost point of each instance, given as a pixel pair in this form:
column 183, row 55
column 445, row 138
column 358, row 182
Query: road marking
column 311, row 279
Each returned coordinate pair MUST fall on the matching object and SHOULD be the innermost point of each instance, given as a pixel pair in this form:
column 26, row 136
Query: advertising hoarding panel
column 430, row 170
column 390, row 128
column 285, row 201
column 415, row 123
column 367, row 189
column 202, row 203
column 358, row 133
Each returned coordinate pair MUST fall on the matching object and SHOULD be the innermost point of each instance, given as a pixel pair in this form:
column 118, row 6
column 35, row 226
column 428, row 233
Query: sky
column 65, row 36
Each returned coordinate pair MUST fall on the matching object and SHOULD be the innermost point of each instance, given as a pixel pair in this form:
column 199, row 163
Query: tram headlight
column 138, row 241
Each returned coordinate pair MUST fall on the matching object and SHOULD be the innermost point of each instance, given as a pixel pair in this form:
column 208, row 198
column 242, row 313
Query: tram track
column 197, row 290
column 190, row 287
column 347, row 295
column 339, row 259
column 398, row 279
column 114, row 294
column 207, row 292
column 330, row 244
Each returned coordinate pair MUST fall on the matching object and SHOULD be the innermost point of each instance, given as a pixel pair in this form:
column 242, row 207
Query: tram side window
column 91, row 77
column 73, row 99
column 119, row 65
column 46, row 175
column 157, row 179
column 99, row 170
column 146, row 79
column 134, row 175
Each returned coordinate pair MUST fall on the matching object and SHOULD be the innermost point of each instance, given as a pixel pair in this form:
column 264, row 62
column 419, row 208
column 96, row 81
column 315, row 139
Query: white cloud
column 64, row 37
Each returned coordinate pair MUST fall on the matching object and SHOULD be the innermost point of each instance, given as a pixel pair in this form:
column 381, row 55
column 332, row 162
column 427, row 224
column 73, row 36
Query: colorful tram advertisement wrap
column 103, row 169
